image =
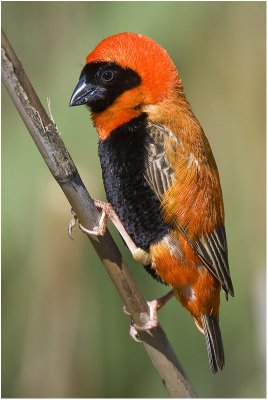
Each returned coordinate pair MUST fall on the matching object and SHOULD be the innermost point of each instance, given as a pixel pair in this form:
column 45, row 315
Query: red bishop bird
column 159, row 174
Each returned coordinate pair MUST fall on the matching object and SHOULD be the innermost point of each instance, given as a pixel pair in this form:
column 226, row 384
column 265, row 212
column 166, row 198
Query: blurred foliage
column 63, row 330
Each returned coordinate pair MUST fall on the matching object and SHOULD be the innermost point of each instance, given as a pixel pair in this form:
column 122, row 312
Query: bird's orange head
column 125, row 73
column 144, row 56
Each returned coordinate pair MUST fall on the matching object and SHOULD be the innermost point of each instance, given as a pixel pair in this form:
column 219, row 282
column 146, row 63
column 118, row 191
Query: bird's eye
column 107, row 76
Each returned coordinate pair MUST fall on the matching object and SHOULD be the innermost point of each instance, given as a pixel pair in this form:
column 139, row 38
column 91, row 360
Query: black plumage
column 112, row 79
column 123, row 156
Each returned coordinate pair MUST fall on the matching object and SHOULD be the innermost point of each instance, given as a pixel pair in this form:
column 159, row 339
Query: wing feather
column 211, row 248
column 213, row 251
column 158, row 171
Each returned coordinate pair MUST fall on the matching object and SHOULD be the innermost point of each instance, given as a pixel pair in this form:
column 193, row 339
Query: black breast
column 123, row 156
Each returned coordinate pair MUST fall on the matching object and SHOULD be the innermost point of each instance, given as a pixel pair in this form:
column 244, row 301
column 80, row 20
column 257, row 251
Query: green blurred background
column 63, row 330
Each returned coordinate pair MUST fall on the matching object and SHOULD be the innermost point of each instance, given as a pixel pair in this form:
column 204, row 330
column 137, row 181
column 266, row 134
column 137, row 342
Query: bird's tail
column 214, row 342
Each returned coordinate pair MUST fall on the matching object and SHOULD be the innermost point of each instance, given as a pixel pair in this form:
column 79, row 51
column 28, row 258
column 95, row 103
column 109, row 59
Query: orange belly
column 195, row 287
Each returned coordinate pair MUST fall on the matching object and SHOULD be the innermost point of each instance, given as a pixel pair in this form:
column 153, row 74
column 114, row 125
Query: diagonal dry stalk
column 49, row 143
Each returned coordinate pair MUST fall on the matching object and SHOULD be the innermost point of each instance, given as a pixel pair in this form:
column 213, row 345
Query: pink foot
column 152, row 322
column 99, row 230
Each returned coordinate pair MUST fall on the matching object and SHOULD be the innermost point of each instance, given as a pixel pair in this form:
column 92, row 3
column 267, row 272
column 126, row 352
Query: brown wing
column 213, row 251
column 158, row 172
column 211, row 248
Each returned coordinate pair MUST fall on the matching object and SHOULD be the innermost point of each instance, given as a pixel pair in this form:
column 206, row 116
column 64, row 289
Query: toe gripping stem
column 152, row 322
column 98, row 230
column 108, row 212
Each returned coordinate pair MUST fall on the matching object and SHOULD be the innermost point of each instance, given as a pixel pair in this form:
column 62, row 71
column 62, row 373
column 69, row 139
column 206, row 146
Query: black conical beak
column 86, row 93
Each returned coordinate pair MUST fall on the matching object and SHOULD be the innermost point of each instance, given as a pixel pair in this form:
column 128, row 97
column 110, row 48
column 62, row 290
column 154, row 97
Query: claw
column 134, row 333
column 99, row 230
column 125, row 311
column 152, row 322
column 101, row 205
column 72, row 224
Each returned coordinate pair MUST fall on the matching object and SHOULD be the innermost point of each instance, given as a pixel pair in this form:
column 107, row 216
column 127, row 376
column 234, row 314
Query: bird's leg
column 159, row 303
column 154, row 306
column 138, row 254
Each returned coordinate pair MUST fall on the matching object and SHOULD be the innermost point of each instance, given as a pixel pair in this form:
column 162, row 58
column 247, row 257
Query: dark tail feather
column 214, row 342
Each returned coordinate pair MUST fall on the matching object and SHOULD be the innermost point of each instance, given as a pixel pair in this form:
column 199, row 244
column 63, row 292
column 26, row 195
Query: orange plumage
column 160, row 174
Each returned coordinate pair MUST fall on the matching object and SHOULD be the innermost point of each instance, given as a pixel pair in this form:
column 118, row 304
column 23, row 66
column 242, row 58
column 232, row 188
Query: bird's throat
column 109, row 120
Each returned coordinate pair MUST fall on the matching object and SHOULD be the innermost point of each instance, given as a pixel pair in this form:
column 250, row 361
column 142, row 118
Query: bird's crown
column 144, row 56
